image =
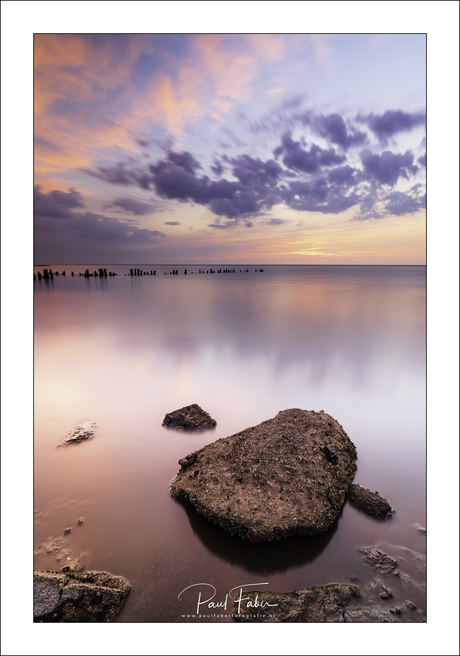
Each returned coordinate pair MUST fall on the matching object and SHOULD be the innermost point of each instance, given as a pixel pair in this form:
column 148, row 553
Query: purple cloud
column 305, row 177
column 399, row 204
column 334, row 130
column 392, row 122
column 53, row 216
column 172, row 222
column 308, row 161
column 422, row 160
column 387, row 167
column 134, row 206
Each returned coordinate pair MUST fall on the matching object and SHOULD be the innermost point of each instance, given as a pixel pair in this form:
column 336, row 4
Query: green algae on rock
column 286, row 476
column 70, row 597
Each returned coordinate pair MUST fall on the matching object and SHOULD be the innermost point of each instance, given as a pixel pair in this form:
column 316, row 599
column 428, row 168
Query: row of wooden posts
column 102, row 273
column 49, row 275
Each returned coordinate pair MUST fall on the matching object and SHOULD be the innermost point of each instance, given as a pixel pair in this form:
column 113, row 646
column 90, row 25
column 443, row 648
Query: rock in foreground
column 81, row 432
column 191, row 417
column 287, row 476
column 369, row 502
column 326, row 603
column 89, row 597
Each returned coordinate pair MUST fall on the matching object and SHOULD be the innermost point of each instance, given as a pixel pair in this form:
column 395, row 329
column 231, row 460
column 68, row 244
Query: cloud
column 308, row 178
column 274, row 222
column 308, row 161
column 56, row 220
column 172, row 222
column 134, row 206
column 422, row 160
column 333, row 129
column 392, row 122
column 401, row 204
column 387, row 168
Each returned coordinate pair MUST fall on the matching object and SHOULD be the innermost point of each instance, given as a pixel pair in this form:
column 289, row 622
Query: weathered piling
column 87, row 273
column 39, row 275
column 72, row 273
column 105, row 273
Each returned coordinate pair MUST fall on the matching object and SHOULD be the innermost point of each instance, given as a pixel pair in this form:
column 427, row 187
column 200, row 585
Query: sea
column 243, row 342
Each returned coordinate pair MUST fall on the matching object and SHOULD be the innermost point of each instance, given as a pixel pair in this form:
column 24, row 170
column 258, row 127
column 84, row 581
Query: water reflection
column 123, row 351
column 274, row 557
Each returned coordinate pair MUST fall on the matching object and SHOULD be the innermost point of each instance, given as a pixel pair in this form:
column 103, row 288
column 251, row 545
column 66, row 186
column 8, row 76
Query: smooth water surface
column 123, row 351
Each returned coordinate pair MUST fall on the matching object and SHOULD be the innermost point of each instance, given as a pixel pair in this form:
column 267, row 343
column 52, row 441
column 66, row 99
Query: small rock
column 397, row 610
column 67, row 531
column 355, row 591
column 410, row 605
column 80, row 521
column 369, row 502
column 81, row 432
column 378, row 560
column 191, row 417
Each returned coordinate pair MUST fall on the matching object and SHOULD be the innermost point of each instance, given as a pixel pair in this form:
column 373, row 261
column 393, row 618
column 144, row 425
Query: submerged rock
column 81, row 432
column 326, row 603
column 272, row 480
column 191, row 417
column 68, row 597
column 369, row 502
column 380, row 561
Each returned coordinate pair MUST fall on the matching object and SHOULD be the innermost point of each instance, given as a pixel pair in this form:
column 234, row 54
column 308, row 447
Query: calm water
column 124, row 351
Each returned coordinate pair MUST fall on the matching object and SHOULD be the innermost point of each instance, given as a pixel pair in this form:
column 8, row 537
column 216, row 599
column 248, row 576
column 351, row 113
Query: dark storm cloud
column 57, row 218
column 388, row 167
column 309, row 161
column 134, row 206
column 392, row 122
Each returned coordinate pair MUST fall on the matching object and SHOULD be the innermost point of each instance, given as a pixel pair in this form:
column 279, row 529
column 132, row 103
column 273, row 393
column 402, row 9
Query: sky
column 220, row 148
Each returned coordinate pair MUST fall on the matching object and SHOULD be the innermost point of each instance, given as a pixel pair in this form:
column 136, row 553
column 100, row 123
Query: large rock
column 84, row 431
column 326, row 603
column 89, row 597
column 287, row 476
column 369, row 502
column 191, row 417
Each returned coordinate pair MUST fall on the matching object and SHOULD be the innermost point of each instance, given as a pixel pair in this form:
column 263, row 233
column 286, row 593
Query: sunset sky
column 267, row 148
